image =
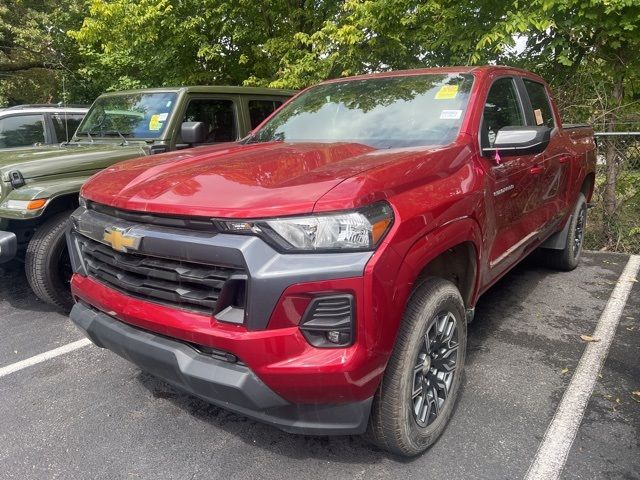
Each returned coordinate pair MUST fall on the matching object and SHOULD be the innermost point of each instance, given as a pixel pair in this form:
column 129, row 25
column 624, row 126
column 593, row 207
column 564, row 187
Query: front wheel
column 422, row 380
column 47, row 263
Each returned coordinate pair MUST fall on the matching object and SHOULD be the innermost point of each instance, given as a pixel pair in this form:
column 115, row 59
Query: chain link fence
column 614, row 220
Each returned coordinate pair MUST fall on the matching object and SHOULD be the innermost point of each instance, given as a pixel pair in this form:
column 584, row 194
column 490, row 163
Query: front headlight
column 361, row 229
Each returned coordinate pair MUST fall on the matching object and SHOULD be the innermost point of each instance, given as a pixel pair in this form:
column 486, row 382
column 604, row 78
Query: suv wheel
column 569, row 257
column 47, row 262
column 422, row 380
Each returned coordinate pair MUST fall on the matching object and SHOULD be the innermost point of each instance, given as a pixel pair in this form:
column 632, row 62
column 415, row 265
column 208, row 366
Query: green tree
column 577, row 43
column 377, row 35
column 129, row 43
column 35, row 52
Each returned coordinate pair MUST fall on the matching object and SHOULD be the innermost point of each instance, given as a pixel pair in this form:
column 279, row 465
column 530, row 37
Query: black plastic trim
column 8, row 246
column 315, row 323
column 232, row 386
column 192, row 223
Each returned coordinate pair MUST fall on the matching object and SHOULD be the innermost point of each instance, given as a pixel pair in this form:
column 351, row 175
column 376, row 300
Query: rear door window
column 502, row 109
column 65, row 125
column 218, row 115
column 21, row 131
column 261, row 109
column 542, row 113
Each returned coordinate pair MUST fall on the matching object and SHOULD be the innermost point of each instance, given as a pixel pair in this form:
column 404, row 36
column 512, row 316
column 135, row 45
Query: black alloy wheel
column 435, row 368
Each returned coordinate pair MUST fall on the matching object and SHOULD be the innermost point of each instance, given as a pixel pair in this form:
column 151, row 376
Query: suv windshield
column 384, row 112
column 136, row 115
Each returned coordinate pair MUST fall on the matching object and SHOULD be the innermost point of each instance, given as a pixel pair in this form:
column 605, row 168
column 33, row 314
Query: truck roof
column 227, row 89
column 486, row 69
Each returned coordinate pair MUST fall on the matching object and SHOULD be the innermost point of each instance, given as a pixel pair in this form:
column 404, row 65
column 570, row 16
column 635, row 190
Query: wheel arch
column 451, row 252
column 459, row 265
column 60, row 203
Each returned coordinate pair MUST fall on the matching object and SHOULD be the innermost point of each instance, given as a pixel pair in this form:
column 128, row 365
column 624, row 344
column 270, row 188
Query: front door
column 514, row 214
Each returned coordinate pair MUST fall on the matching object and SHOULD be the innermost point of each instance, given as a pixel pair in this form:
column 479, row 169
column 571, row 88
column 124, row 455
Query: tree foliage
column 142, row 43
column 587, row 49
column 35, row 52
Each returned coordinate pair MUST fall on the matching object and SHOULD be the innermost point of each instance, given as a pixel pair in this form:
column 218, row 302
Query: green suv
column 39, row 186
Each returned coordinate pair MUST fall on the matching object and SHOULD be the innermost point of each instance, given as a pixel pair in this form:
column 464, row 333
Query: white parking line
column 556, row 444
column 70, row 347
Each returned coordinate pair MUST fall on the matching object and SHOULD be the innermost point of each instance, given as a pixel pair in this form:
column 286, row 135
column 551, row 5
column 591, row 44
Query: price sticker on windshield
column 154, row 123
column 447, row 92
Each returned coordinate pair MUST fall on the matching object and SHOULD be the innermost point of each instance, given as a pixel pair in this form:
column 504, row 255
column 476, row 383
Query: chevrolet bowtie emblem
column 120, row 240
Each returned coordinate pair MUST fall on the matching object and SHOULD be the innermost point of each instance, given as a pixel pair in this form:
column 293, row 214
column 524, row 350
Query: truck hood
column 235, row 181
column 47, row 161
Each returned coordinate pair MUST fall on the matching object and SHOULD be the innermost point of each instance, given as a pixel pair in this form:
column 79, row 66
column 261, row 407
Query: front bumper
column 8, row 246
column 230, row 385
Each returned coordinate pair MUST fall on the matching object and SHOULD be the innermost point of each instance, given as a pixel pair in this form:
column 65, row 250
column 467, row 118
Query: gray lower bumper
column 229, row 385
column 8, row 246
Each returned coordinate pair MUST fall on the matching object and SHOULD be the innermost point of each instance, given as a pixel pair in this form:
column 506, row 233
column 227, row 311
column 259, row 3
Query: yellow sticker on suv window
column 154, row 123
column 447, row 92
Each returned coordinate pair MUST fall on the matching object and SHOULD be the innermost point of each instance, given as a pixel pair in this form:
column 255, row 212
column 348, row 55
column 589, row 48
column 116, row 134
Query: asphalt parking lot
column 90, row 414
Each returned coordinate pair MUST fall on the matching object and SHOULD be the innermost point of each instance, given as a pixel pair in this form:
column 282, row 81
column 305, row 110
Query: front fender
column 433, row 244
column 47, row 189
column 389, row 296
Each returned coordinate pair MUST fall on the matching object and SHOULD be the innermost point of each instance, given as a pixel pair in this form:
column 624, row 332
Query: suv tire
column 47, row 262
column 400, row 422
column 569, row 257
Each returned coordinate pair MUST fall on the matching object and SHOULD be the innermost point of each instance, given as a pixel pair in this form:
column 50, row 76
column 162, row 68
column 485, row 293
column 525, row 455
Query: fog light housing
column 329, row 321
column 339, row 338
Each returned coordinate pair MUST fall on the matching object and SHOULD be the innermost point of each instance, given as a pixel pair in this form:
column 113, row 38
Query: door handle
column 564, row 159
column 537, row 170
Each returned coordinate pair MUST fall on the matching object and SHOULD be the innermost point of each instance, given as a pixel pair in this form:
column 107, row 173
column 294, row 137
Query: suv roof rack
column 45, row 105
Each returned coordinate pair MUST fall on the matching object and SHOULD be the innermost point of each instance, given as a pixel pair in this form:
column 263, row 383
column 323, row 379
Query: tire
column 398, row 422
column 47, row 262
column 569, row 257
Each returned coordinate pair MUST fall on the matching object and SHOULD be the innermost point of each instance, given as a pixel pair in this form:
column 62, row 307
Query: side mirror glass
column 512, row 141
column 193, row 132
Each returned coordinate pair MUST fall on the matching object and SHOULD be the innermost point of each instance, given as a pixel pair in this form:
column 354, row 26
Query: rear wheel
column 569, row 257
column 47, row 263
column 422, row 380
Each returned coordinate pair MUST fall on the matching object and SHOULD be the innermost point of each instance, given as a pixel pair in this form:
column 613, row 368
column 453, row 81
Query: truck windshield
column 136, row 115
column 385, row 112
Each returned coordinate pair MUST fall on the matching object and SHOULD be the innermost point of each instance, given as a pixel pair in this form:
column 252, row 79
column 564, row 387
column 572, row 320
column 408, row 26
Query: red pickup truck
column 319, row 274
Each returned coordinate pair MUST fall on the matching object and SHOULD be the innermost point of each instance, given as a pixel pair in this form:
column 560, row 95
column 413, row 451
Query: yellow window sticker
column 447, row 92
column 538, row 114
column 154, row 123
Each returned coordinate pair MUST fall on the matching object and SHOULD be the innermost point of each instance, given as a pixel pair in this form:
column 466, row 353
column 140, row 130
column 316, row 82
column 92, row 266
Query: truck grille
column 175, row 283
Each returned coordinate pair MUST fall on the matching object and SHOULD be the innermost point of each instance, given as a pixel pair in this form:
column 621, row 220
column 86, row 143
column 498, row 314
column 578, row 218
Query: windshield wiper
column 108, row 133
column 88, row 134
column 251, row 138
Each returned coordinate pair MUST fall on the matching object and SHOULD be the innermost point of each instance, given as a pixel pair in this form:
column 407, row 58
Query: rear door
column 23, row 130
column 64, row 125
column 512, row 198
column 554, row 189
column 259, row 108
